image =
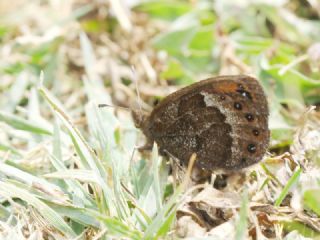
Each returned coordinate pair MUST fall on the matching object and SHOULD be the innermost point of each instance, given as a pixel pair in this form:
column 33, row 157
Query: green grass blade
column 23, row 124
column 53, row 218
column 27, row 178
column 119, row 229
column 294, row 178
column 311, row 199
column 78, row 174
column 242, row 221
column 80, row 215
column 85, row 153
column 161, row 221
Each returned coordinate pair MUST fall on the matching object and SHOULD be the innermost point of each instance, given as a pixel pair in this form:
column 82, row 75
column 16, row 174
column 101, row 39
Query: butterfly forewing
column 224, row 120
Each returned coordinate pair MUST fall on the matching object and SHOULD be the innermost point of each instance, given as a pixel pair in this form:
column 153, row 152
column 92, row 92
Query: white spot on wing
column 212, row 100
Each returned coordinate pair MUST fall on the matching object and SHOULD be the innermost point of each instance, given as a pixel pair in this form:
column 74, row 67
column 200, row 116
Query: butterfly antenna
column 135, row 79
column 101, row 105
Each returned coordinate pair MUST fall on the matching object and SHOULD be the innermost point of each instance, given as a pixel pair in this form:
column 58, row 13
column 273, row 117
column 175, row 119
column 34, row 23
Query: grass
column 70, row 170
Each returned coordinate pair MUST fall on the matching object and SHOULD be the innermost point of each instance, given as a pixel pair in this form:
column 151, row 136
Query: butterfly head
column 140, row 118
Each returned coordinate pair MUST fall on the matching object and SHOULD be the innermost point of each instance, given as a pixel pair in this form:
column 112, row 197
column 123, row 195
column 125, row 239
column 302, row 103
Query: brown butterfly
column 224, row 120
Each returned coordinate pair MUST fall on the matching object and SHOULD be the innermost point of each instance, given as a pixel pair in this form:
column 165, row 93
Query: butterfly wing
column 223, row 120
